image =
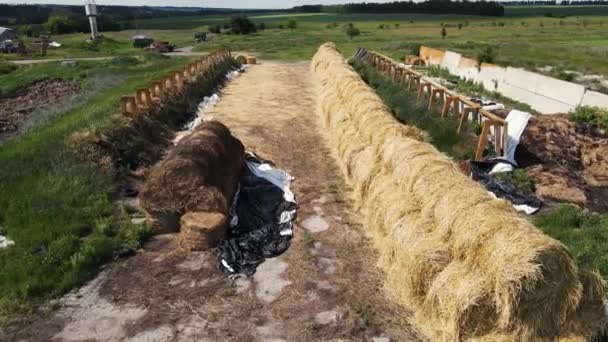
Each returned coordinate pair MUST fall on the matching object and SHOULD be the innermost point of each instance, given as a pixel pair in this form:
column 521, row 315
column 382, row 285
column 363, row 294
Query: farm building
column 7, row 33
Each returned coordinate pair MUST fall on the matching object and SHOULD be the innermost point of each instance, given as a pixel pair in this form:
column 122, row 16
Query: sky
column 195, row 3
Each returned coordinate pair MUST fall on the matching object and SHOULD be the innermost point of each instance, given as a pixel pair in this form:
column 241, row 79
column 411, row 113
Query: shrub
column 486, row 55
column 352, row 31
column 261, row 26
column 242, row 25
column 292, row 24
column 594, row 116
column 215, row 29
column 7, row 68
column 519, row 178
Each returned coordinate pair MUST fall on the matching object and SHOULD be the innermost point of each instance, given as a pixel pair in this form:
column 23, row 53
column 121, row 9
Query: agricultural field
column 72, row 211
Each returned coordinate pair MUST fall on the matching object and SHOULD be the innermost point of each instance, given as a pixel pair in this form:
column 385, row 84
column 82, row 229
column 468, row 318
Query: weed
column 594, row 116
column 365, row 314
column 519, row 178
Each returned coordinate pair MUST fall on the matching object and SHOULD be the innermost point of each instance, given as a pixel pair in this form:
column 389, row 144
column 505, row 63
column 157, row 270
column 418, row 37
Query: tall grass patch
column 405, row 107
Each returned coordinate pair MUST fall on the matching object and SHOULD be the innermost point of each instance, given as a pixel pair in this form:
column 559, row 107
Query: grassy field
column 573, row 43
column 50, row 201
column 57, row 209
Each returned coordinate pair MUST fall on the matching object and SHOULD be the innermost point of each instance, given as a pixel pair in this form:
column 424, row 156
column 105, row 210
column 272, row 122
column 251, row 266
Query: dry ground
column 324, row 288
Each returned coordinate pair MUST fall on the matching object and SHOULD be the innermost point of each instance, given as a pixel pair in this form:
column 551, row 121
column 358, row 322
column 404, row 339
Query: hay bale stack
column 251, row 60
column 467, row 264
column 241, row 59
column 201, row 231
column 199, row 174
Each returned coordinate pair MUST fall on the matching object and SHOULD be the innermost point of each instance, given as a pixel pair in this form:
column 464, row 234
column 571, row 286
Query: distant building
column 7, row 34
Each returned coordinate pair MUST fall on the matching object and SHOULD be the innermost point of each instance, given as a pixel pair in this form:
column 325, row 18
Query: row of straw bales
column 467, row 264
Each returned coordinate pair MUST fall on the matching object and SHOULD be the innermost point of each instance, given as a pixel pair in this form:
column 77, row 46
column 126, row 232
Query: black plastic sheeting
column 264, row 228
column 502, row 189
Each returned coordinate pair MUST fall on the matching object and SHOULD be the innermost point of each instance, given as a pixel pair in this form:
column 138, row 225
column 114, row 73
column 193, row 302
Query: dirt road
column 325, row 287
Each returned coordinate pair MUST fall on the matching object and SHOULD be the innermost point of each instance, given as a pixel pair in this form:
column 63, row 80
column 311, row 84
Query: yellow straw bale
column 466, row 263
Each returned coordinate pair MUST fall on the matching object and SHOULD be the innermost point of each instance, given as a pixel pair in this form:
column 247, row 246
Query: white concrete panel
column 562, row 91
column 490, row 77
column 521, row 78
column 595, row 99
column 450, row 61
column 546, row 105
column 468, row 73
column 516, row 93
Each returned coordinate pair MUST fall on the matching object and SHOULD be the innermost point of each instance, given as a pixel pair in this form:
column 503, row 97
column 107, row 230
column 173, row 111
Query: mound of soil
column 15, row 109
column 568, row 162
column 199, row 174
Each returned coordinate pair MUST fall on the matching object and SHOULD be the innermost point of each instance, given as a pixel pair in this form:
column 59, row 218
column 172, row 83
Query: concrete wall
column 544, row 94
column 431, row 56
column 593, row 98
column 451, row 61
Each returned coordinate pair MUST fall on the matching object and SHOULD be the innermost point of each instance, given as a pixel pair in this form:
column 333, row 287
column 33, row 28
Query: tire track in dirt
column 325, row 287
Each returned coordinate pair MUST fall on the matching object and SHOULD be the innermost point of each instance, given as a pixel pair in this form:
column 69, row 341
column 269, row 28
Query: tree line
column 485, row 8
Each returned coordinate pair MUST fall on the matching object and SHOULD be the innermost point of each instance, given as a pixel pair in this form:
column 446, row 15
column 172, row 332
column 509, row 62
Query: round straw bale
column 241, row 59
column 199, row 174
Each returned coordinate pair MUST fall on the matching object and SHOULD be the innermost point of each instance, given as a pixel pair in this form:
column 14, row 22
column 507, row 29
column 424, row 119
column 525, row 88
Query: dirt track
column 325, row 287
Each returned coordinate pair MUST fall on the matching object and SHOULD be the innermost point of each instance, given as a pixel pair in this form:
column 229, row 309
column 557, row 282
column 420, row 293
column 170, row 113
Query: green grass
column 57, row 209
column 585, row 234
column 405, row 108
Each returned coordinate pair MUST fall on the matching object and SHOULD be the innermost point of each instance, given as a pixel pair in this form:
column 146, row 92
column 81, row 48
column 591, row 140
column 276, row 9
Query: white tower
column 91, row 10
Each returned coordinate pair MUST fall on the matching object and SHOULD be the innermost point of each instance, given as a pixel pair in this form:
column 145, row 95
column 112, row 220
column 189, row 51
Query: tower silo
column 91, row 11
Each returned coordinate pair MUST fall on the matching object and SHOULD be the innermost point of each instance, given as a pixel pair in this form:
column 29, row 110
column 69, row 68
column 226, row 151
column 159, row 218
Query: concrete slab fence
column 545, row 94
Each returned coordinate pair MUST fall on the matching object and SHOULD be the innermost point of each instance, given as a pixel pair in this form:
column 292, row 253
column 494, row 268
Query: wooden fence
column 172, row 85
column 494, row 129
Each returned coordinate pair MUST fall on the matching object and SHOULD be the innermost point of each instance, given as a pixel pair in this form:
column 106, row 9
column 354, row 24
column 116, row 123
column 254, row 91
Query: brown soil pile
column 567, row 161
column 200, row 174
column 14, row 110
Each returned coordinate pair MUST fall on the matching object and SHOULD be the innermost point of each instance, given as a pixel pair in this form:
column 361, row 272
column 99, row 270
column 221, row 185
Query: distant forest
column 485, row 8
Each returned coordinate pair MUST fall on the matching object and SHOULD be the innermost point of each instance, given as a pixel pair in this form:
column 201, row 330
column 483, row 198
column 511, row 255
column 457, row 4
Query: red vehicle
column 161, row 47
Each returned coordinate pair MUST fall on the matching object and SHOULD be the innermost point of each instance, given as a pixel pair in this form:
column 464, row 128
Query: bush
column 486, row 55
column 292, row 24
column 261, row 26
column 352, row 31
column 519, row 178
column 7, row 68
column 215, row 29
column 594, row 116
column 242, row 25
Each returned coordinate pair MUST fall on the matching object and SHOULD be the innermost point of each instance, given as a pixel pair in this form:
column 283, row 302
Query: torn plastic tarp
column 261, row 218
column 529, row 204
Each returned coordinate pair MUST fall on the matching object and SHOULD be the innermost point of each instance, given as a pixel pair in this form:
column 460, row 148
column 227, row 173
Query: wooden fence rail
column 162, row 91
column 493, row 128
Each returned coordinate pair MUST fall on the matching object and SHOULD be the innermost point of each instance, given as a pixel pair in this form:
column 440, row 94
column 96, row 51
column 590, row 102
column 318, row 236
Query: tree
column 261, row 26
column 61, row 24
column 242, row 25
column 352, row 31
column 460, row 26
column 444, row 32
column 292, row 24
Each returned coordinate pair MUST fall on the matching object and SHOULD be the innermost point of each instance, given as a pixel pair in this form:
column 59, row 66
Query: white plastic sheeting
column 5, row 242
column 518, row 121
column 207, row 106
